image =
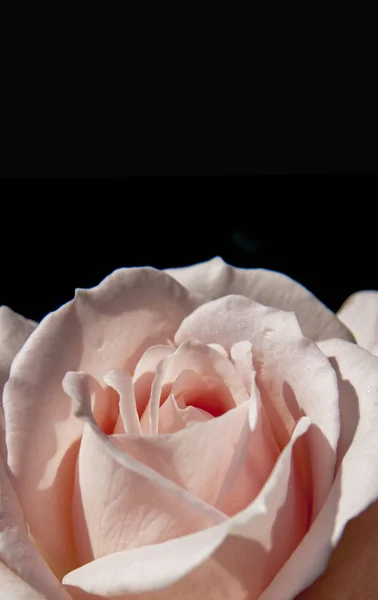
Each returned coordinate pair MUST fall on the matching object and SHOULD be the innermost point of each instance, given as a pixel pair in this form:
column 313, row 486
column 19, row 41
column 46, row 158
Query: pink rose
column 205, row 432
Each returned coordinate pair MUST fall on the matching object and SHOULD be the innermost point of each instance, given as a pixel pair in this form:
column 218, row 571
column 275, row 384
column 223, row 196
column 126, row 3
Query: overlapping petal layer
column 105, row 328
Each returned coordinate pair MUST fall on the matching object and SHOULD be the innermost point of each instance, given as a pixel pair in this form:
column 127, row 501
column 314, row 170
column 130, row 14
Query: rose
column 266, row 443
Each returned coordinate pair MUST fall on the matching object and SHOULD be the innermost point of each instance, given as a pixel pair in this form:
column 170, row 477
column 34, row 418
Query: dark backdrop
column 41, row 270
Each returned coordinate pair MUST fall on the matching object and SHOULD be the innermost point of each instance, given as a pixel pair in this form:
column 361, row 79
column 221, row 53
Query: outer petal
column 234, row 560
column 215, row 278
column 293, row 376
column 104, row 328
column 354, row 490
column 360, row 314
column 22, row 569
column 14, row 331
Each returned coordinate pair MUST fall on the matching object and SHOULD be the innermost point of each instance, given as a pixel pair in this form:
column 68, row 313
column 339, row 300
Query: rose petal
column 150, row 359
column 293, row 375
column 215, row 278
column 354, row 489
column 14, row 331
column 25, row 565
column 123, row 384
column 360, row 314
column 255, row 455
column 14, row 588
column 107, row 327
column 241, row 354
column 122, row 486
column 197, row 458
column 233, row 560
column 220, row 349
column 203, row 360
column 173, row 415
column 145, row 371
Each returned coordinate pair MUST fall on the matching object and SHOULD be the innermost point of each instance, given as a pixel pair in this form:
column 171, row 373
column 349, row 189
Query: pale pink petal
column 145, row 372
column 175, row 416
column 215, row 278
column 205, row 361
column 26, row 566
column 220, row 349
column 356, row 482
column 107, row 327
column 241, row 354
column 360, row 314
column 14, row 331
column 198, row 458
column 14, row 588
column 123, row 384
column 255, row 454
column 151, row 358
column 234, row 560
column 293, row 376
column 119, row 501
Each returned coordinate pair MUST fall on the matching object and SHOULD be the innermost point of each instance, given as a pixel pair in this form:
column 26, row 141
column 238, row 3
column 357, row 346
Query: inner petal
column 223, row 389
column 128, row 420
column 120, row 498
column 174, row 417
column 241, row 354
column 204, row 393
column 144, row 373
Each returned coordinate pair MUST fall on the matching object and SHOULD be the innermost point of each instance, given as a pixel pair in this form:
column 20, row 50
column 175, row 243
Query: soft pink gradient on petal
column 18, row 553
column 241, row 354
column 215, row 278
column 107, row 327
column 128, row 420
column 175, row 416
column 356, row 482
column 132, row 501
column 360, row 314
column 234, row 560
column 14, row 588
column 255, row 455
column 197, row 458
column 220, row 349
column 206, row 362
column 293, row 376
column 14, row 331
column 144, row 373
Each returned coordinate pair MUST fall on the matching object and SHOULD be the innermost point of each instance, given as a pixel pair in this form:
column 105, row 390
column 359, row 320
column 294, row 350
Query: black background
column 44, row 263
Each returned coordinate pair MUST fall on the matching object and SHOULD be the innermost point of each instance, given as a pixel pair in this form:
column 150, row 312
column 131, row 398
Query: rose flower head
column 202, row 432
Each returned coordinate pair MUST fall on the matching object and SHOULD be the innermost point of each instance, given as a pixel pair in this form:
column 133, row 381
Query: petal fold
column 233, row 560
column 355, row 489
column 215, row 278
column 204, row 361
column 292, row 374
column 360, row 314
column 104, row 328
column 21, row 565
column 121, row 496
column 14, row 331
